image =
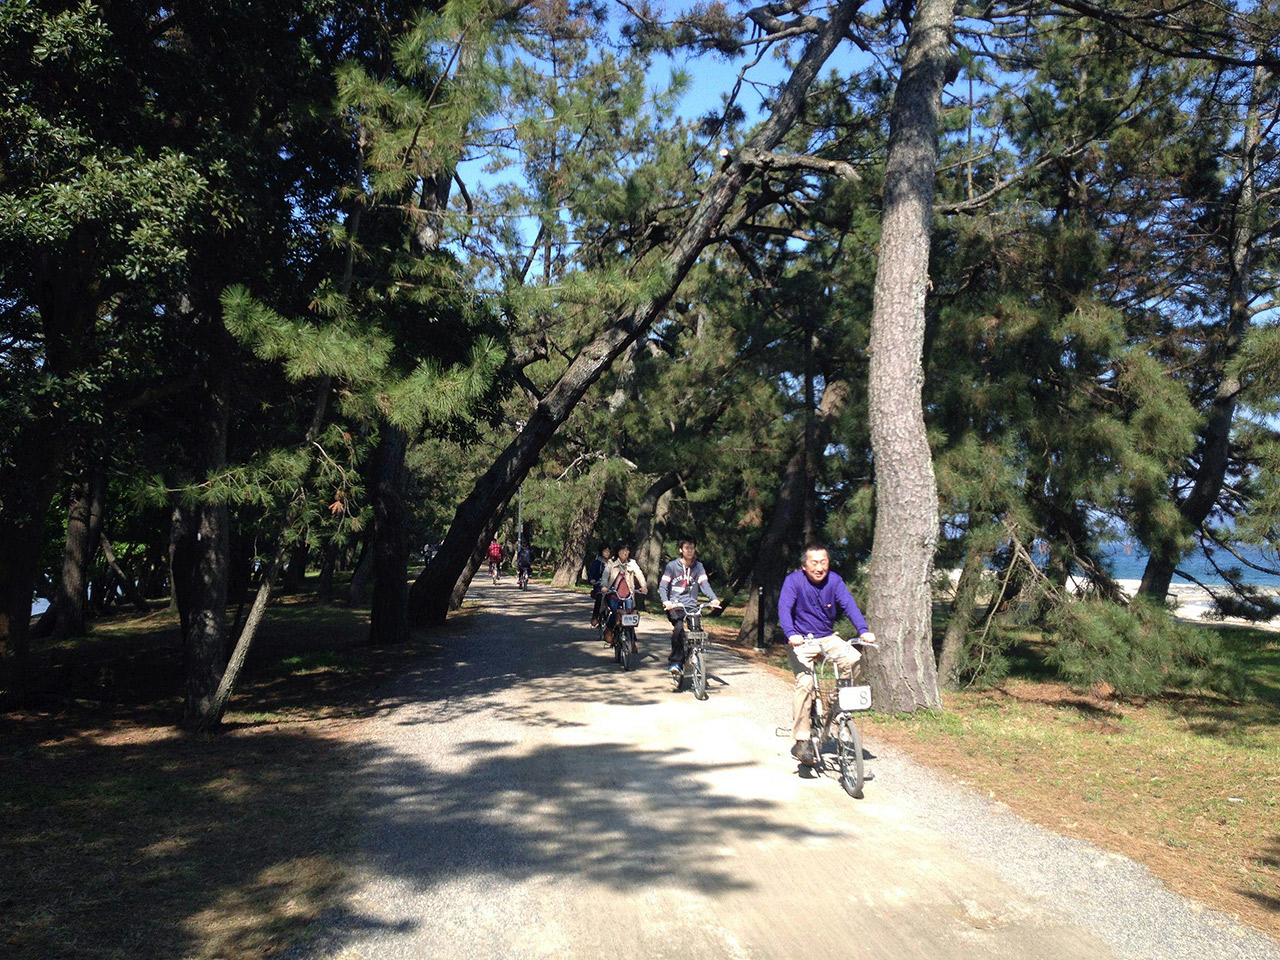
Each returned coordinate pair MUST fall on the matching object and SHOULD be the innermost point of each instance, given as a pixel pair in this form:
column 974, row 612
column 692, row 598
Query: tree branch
column 768, row 160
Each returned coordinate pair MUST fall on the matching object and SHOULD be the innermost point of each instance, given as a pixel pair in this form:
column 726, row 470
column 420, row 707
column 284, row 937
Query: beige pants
column 839, row 652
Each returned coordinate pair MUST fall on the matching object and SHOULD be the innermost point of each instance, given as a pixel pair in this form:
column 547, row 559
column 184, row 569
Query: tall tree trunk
column 962, row 607
column 327, row 568
column 84, row 527
column 363, row 572
column 389, row 618
column 433, row 591
column 203, row 602
column 649, row 523
column 295, row 571
column 1215, row 439
column 785, row 529
column 211, row 716
column 902, row 673
column 68, row 300
column 574, row 550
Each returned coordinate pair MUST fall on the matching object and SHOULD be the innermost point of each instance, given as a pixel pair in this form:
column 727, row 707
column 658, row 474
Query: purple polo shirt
column 805, row 607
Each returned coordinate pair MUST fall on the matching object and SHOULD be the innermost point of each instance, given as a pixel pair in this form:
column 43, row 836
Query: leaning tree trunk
column 211, row 716
column 786, row 526
column 132, row 588
column 479, row 558
column 388, row 621
column 649, row 522
column 1215, row 440
column 962, row 608
column 433, row 591
column 574, row 549
column 902, row 673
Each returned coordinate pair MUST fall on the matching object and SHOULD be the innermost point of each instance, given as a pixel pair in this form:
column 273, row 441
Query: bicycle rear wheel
column 849, row 745
column 698, row 678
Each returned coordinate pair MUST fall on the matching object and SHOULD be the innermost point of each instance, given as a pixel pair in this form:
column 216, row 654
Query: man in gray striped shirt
column 681, row 581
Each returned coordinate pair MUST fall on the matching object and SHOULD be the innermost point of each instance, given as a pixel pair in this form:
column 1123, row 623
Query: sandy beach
column 1193, row 603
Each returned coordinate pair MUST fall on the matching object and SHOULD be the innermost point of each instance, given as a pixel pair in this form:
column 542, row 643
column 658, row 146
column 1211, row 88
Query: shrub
column 1139, row 650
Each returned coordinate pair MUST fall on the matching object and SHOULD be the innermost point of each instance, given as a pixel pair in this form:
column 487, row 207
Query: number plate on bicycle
column 854, row 698
column 631, row 619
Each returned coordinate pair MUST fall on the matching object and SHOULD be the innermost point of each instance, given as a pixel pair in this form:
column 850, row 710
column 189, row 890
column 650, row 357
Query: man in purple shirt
column 811, row 601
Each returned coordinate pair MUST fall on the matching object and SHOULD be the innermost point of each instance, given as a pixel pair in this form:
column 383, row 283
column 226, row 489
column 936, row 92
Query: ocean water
column 1128, row 559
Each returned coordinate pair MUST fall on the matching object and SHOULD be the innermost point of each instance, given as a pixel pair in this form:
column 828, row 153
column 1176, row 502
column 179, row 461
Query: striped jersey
column 680, row 584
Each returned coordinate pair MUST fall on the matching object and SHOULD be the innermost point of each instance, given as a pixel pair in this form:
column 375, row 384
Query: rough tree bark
column 68, row 614
column 447, row 576
column 649, row 523
column 574, row 549
column 202, row 598
column 781, row 541
column 1215, row 439
column 902, row 674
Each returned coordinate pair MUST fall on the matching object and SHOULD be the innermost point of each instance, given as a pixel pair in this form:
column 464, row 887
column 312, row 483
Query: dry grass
column 126, row 838
column 1187, row 785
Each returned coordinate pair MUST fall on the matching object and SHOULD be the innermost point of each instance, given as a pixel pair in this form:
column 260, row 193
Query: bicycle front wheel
column 698, row 675
column 849, row 745
column 626, row 639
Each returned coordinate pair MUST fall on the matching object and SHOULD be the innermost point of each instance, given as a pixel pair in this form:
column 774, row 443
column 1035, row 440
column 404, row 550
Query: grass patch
column 1187, row 784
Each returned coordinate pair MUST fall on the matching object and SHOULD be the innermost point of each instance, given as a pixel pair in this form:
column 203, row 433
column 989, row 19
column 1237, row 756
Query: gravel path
column 524, row 798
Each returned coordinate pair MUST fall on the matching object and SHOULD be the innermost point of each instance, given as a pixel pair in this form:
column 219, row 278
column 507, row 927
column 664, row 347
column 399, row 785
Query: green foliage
column 1138, row 650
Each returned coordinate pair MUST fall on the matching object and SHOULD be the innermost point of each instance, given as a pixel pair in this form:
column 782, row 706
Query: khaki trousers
column 840, row 652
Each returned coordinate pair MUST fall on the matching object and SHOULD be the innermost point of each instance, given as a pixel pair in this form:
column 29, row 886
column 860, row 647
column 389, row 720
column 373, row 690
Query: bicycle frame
column 829, row 720
column 695, row 639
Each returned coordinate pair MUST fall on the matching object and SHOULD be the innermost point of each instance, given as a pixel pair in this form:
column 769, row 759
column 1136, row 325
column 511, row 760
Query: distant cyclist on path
column 811, row 602
column 623, row 582
column 494, row 553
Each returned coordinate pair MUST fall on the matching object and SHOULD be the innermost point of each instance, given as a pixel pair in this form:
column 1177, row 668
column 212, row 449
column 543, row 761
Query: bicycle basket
column 825, row 683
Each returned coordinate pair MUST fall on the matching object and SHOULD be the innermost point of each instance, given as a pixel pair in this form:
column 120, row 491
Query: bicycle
column 695, row 667
column 493, row 572
column 624, row 634
column 523, row 578
column 836, row 700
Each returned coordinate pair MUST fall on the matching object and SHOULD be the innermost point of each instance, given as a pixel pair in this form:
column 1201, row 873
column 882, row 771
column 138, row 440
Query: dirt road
column 527, row 799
